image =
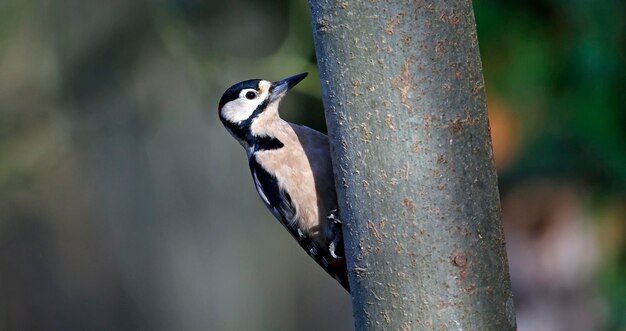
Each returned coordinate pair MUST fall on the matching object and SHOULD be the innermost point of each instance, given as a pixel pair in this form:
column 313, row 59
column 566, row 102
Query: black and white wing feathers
column 280, row 204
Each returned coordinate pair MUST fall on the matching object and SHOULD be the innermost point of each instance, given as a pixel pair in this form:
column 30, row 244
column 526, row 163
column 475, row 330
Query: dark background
column 125, row 205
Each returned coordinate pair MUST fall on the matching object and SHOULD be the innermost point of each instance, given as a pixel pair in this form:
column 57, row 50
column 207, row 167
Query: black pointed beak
column 279, row 88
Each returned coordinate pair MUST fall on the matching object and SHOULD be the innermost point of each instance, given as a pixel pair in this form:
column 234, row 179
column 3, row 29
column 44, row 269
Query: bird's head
column 244, row 101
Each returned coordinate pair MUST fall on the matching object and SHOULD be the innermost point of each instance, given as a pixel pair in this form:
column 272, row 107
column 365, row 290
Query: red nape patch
column 336, row 263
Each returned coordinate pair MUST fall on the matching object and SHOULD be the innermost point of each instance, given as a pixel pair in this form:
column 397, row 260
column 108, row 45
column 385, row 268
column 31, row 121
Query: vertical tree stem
column 405, row 107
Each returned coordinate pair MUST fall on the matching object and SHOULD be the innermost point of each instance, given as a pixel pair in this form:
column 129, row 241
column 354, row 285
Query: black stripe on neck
column 241, row 130
column 266, row 143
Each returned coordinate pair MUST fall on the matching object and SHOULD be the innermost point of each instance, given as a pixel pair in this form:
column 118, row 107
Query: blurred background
column 125, row 205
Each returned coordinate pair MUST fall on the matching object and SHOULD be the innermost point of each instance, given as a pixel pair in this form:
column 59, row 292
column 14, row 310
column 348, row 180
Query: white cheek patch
column 240, row 109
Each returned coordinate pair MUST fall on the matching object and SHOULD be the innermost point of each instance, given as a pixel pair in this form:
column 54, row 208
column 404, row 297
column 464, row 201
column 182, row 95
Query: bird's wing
column 280, row 204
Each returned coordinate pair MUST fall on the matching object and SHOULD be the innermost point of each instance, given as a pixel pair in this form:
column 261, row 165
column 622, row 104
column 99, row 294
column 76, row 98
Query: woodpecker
column 291, row 168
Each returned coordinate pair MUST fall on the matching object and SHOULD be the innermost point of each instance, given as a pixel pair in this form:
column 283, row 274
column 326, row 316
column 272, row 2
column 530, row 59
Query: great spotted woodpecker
column 291, row 168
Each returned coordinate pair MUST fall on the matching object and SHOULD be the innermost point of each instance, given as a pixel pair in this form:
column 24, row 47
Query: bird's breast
column 295, row 177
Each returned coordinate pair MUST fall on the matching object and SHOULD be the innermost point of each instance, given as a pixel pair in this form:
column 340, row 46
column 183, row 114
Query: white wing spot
column 259, row 189
column 331, row 249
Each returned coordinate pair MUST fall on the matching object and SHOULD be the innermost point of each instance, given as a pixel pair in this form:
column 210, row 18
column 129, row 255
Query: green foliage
column 558, row 66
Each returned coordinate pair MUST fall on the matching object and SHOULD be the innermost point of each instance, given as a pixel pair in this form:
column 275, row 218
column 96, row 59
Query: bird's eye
column 250, row 95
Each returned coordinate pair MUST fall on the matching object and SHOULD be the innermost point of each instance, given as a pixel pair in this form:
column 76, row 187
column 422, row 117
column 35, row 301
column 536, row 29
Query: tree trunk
column 405, row 107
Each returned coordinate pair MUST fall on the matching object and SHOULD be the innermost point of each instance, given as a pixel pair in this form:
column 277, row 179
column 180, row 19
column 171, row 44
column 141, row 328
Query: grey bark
column 406, row 113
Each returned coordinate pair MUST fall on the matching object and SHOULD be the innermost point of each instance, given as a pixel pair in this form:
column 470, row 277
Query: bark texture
column 406, row 113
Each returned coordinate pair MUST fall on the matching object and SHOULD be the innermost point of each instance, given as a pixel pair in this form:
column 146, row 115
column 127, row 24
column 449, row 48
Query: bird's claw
column 332, row 216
